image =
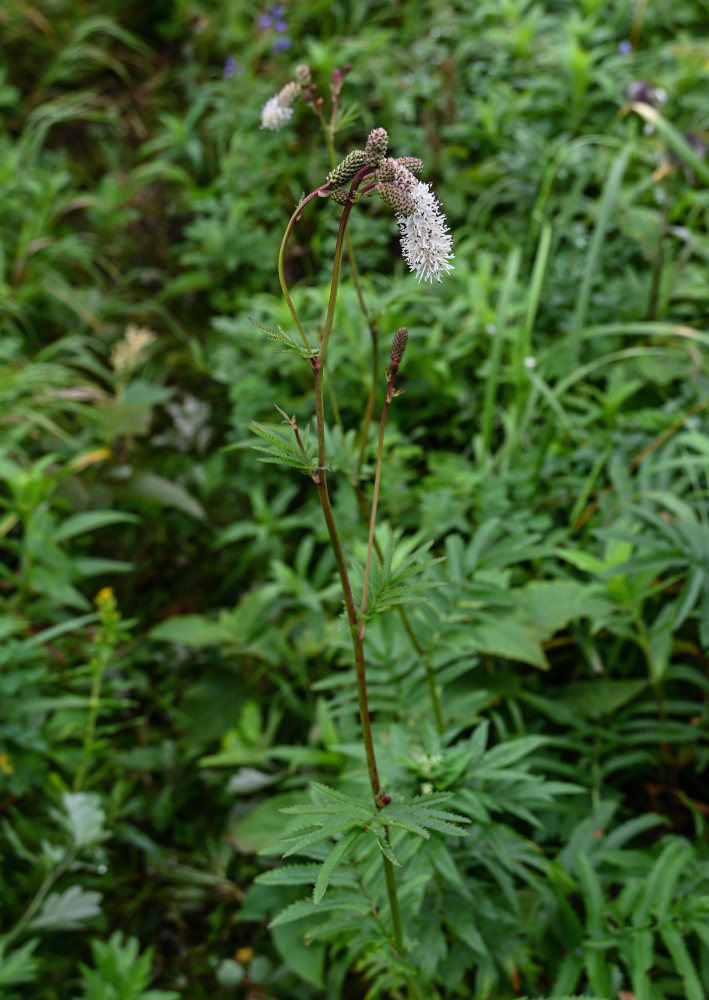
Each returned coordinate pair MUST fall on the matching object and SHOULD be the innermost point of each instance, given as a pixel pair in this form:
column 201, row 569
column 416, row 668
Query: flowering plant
column 358, row 825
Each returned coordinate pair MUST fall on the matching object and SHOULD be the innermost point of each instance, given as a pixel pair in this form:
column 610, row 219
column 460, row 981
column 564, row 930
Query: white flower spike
column 426, row 243
column 275, row 114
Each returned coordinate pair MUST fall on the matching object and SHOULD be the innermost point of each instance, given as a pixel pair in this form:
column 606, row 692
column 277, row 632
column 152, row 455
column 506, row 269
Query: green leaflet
column 281, row 337
column 280, row 451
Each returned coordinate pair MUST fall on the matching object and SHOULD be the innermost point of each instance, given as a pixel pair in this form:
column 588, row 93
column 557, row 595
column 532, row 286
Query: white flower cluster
column 426, row 243
column 278, row 109
column 275, row 113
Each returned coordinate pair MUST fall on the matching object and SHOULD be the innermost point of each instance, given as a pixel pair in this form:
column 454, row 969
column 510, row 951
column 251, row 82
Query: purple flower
column 265, row 21
column 281, row 25
column 625, row 47
column 282, row 44
column 278, row 9
column 231, row 68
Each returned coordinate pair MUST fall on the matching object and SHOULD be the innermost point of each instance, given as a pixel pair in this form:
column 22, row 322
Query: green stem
column 394, row 903
column 369, row 409
column 99, row 666
column 335, row 282
column 408, row 627
column 38, row 898
column 333, row 400
column 357, row 643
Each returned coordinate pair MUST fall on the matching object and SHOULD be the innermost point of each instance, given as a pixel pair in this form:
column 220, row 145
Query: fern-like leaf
column 280, row 451
column 281, row 337
column 344, row 901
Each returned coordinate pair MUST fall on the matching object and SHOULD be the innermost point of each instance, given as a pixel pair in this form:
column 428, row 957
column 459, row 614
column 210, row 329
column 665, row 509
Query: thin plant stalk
column 320, row 479
column 408, row 628
column 98, row 668
column 375, row 497
column 328, row 129
column 324, row 497
column 329, row 133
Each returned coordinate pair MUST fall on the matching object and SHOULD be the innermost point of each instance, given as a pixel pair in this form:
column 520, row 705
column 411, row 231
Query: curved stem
column 318, row 193
column 335, row 281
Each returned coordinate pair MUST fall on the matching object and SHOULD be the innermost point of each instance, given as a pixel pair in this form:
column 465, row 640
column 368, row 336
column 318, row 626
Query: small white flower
column 426, row 243
column 530, row 363
column 275, row 113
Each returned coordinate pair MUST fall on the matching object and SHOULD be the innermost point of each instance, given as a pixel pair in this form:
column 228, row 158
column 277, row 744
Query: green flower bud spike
column 397, row 353
column 412, row 164
column 345, row 171
column 340, row 195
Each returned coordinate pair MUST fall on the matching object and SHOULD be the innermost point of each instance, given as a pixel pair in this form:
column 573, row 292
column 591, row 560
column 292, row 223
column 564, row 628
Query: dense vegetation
column 175, row 667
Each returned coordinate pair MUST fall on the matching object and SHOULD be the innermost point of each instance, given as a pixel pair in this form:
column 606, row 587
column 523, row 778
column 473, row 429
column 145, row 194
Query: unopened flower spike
column 376, row 148
column 340, row 195
column 344, row 172
column 303, row 76
column 398, row 198
column 412, row 164
column 399, row 345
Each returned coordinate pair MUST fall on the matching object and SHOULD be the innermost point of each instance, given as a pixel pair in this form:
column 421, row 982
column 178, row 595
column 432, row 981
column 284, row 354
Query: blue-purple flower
column 274, row 19
column 231, row 68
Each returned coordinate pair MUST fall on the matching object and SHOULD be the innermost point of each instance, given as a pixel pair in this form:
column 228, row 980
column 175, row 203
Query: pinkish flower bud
column 376, row 147
column 399, row 199
column 399, row 345
column 302, row 75
column 412, row 164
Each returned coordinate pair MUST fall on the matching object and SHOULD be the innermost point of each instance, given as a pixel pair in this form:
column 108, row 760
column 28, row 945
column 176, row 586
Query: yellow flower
column 104, row 596
column 5, row 765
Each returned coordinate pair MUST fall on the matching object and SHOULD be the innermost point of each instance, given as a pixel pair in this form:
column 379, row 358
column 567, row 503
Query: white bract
column 426, row 243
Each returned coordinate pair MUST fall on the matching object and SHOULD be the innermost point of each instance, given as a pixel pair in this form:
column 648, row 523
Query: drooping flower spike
column 426, row 242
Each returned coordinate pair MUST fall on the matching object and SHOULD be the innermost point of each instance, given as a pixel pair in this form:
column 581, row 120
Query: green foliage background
column 552, row 446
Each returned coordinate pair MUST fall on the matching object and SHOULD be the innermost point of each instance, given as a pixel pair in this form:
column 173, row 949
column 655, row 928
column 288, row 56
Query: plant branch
column 39, row 897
